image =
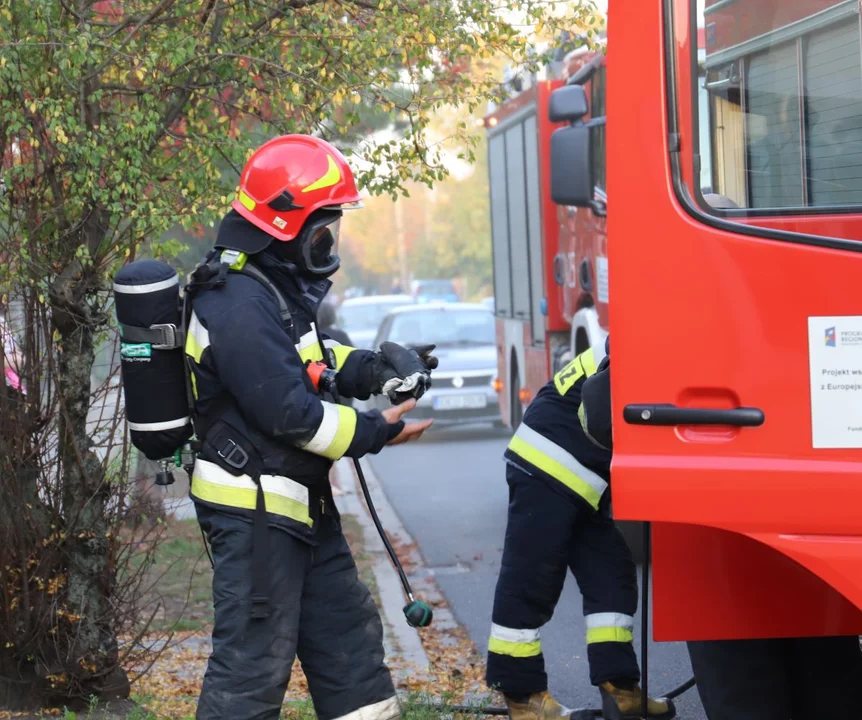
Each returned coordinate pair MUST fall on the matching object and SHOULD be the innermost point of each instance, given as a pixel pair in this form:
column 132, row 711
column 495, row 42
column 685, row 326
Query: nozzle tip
column 418, row 614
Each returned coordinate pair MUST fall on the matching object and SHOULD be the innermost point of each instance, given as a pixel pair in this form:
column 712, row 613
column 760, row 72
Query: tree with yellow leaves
column 120, row 119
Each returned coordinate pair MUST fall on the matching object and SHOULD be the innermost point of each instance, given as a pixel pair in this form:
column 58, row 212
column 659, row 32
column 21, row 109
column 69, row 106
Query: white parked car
column 360, row 317
column 462, row 389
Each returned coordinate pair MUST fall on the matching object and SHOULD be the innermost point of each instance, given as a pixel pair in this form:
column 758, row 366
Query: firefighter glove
column 424, row 353
column 411, row 371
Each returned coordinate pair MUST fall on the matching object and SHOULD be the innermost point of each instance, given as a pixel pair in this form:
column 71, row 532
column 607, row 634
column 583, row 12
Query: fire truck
column 738, row 409
column 550, row 263
column 533, row 330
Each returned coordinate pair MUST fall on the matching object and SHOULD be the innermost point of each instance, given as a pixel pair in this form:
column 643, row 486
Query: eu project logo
column 830, row 337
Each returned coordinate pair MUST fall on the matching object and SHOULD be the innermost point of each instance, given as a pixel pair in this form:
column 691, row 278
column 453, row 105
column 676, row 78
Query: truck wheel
column 516, row 411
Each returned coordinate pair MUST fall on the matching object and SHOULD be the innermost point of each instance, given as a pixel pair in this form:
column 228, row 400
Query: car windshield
column 435, row 287
column 365, row 316
column 443, row 327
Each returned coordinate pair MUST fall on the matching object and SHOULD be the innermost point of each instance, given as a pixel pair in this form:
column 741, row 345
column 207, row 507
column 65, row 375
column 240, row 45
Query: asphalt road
column 450, row 493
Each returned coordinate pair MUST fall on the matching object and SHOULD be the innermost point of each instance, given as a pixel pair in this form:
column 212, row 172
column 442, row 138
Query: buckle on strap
column 169, row 336
column 259, row 607
column 162, row 336
column 233, row 455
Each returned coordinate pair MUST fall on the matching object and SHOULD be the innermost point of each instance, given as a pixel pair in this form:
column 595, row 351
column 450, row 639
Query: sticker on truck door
column 835, row 361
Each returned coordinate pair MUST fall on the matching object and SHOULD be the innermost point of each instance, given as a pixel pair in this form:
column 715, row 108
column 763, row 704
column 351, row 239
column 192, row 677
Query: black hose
column 677, row 691
column 388, row 545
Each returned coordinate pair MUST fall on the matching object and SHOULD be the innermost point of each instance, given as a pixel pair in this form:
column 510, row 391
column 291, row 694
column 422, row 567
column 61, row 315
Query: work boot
column 618, row 704
column 541, row 706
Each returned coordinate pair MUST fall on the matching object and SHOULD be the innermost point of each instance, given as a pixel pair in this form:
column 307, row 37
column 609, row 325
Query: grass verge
column 180, row 580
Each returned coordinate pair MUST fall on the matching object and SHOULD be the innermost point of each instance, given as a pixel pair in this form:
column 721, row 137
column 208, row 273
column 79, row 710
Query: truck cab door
column 737, row 327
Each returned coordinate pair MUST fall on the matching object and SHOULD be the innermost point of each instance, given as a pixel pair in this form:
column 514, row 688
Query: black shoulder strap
column 255, row 272
column 211, row 273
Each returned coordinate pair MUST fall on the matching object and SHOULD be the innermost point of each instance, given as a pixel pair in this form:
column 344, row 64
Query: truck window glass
column 597, row 133
column 780, row 125
column 517, row 198
column 500, row 226
column 534, row 227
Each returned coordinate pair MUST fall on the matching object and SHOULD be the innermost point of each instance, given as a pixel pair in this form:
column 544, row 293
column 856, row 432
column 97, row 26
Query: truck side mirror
column 568, row 104
column 571, row 166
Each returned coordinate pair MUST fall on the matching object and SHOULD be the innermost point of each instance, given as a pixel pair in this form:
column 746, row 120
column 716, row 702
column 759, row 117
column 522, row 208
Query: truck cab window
column 597, row 133
column 782, row 121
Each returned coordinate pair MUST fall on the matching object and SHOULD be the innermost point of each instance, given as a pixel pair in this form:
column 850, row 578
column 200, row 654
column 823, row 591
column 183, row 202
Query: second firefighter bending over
column 558, row 469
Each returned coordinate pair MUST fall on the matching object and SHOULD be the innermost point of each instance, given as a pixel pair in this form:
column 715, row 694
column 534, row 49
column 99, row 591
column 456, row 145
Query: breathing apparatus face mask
column 318, row 246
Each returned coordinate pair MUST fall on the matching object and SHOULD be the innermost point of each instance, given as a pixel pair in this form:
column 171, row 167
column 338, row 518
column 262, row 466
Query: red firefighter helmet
column 289, row 178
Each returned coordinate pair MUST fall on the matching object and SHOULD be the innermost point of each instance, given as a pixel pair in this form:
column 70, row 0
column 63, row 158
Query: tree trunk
column 93, row 654
column 24, row 523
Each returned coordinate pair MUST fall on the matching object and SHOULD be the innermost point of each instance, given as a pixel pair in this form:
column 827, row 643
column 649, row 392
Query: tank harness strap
column 164, row 336
column 221, row 438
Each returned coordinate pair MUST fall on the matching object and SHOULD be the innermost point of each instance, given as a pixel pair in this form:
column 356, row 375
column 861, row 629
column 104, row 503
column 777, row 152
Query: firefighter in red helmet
column 284, row 582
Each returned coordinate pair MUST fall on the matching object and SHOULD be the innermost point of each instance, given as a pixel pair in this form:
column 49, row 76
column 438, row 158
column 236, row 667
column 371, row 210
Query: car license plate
column 460, row 402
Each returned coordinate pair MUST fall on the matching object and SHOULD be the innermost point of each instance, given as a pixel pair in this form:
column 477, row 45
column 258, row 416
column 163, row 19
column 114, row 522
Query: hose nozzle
column 418, row 613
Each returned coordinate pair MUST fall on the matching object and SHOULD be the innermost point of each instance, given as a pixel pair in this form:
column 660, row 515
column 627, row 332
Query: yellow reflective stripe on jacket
column 335, row 432
column 282, row 495
column 312, row 353
column 609, row 627
column 341, row 352
column 308, row 346
column 197, row 339
column 513, row 642
column 582, row 417
column 561, row 465
column 583, row 365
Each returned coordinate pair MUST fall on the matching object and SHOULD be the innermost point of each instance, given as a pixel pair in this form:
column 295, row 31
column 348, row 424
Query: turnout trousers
column 781, row 679
column 319, row 611
column 548, row 533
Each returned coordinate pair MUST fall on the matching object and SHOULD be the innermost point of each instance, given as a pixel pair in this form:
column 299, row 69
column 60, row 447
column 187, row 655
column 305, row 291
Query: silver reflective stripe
column 272, row 484
column 512, row 635
column 149, row 288
column 328, row 343
column 308, row 339
column 609, row 619
column 155, row 427
column 383, row 710
column 564, row 458
column 199, row 338
column 325, row 431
